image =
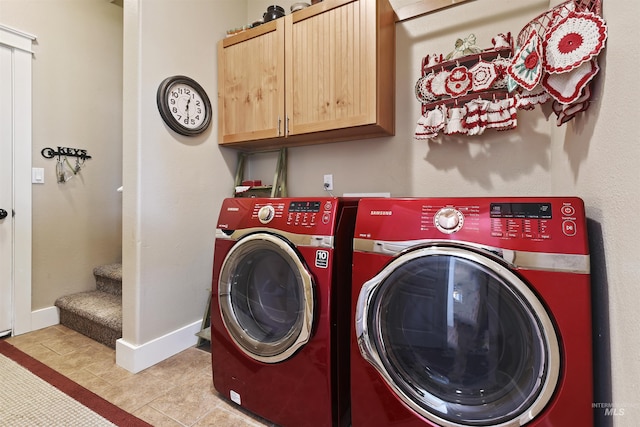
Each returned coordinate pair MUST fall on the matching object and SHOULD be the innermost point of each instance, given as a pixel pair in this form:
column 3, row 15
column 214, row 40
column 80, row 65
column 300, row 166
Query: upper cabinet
column 322, row 74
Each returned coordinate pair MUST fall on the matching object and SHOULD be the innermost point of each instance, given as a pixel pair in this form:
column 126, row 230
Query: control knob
column 266, row 214
column 448, row 220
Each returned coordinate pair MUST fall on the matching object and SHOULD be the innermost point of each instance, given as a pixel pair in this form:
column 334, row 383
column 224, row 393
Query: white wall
column 173, row 184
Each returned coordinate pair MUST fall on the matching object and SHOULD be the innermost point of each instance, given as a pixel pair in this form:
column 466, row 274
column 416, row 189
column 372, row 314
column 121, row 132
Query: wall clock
column 184, row 105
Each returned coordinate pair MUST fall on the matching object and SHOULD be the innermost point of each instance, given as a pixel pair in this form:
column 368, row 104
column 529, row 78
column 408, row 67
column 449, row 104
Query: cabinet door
column 251, row 85
column 331, row 78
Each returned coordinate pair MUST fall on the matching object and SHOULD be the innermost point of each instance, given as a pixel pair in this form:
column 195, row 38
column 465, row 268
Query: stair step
column 109, row 278
column 96, row 314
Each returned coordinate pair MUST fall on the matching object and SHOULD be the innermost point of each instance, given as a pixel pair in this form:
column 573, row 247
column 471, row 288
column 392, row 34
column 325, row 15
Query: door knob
column 3, row 214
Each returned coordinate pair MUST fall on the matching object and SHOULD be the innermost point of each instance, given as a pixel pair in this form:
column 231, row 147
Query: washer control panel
column 295, row 213
column 307, row 213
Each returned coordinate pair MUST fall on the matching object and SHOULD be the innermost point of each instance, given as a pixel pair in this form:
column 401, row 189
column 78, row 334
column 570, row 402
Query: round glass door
column 459, row 338
column 266, row 297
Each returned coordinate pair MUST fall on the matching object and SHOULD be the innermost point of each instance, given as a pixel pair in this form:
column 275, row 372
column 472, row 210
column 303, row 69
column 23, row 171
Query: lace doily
column 567, row 87
column 423, row 89
column 458, row 82
column 574, row 40
column 548, row 19
column 483, row 74
column 526, row 67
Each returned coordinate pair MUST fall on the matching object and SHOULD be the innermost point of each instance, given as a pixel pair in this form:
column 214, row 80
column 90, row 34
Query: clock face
column 184, row 105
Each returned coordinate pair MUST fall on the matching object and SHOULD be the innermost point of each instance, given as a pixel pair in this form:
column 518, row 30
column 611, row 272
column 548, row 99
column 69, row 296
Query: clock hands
column 183, row 105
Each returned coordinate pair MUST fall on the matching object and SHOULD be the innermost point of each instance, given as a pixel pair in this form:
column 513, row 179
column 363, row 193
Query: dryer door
column 459, row 338
column 266, row 297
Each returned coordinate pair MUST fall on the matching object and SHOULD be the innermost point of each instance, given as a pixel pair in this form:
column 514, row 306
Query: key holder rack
column 50, row 153
column 63, row 153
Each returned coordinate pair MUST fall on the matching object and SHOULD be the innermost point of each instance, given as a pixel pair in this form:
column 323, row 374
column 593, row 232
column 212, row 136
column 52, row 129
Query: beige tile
column 89, row 381
column 71, row 342
column 249, row 417
column 109, row 371
column 39, row 352
column 224, row 418
column 188, row 402
column 36, row 337
column 184, row 367
column 137, row 391
column 78, row 359
column 155, row 417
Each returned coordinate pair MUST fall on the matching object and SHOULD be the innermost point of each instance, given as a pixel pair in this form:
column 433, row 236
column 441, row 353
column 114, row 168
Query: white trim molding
column 22, row 57
column 137, row 358
column 45, row 317
column 16, row 39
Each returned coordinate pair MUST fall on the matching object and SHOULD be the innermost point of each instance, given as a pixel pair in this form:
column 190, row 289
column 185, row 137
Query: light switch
column 37, row 175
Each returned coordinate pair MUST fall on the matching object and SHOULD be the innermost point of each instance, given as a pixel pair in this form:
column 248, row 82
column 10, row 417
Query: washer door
column 266, row 297
column 459, row 338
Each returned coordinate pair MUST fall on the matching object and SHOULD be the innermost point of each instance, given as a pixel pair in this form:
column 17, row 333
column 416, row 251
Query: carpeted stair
column 96, row 314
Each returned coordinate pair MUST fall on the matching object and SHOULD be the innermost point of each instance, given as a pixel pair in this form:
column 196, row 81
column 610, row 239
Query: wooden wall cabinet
column 322, row 74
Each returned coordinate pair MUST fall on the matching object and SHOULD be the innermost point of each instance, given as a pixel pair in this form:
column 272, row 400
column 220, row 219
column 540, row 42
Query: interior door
column 6, row 186
column 16, row 57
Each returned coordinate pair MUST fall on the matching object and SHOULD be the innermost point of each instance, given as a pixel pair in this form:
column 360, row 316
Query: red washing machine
column 471, row 312
column 281, row 308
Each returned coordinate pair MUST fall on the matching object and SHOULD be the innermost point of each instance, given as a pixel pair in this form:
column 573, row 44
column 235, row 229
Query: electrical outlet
column 328, row 182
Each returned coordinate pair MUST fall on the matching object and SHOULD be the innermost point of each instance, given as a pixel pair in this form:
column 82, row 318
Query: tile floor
column 175, row 392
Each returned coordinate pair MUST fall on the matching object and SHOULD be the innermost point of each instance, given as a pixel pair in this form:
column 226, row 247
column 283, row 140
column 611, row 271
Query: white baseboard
column 136, row 358
column 132, row 358
column 45, row 317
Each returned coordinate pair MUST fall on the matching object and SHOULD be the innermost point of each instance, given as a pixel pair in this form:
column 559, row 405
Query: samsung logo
column 380, row 213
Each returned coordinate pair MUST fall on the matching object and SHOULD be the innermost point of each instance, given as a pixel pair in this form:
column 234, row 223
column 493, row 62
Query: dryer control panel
column 545, row 224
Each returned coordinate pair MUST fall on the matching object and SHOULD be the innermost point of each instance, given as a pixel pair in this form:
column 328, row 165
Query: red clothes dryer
column 471, row 312
column 281, row 308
